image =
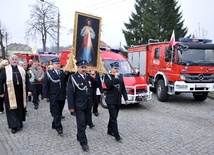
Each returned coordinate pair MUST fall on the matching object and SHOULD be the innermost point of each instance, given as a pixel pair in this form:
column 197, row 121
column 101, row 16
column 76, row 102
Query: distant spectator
column 37, row 75
column 30, row 63
column 21, row 63
column 2, row 65
column 50, row 67
column 44, row 66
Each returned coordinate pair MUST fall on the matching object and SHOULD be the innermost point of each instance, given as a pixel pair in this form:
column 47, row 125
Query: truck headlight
column 183, row 77
column 128, row 91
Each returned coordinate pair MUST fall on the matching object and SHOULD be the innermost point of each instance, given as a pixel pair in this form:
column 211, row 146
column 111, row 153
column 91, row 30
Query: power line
column 105, row 9
column 87, row 7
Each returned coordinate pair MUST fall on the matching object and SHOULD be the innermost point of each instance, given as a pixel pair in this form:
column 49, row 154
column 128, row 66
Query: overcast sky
column 15, row 13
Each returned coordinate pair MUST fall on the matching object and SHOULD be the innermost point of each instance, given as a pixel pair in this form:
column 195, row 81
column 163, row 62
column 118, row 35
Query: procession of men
column 79, row 88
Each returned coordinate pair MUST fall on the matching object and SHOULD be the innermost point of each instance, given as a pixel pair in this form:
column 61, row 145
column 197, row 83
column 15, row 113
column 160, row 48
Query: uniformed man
column 115, row 90
column 54, row 89
column 79, row 95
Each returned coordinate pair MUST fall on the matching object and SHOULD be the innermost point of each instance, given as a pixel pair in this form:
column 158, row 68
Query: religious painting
column 86, row 41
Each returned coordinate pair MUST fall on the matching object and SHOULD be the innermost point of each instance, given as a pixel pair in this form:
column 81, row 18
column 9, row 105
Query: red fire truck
column 42, row 57
column 136, row 86
column 188, row 67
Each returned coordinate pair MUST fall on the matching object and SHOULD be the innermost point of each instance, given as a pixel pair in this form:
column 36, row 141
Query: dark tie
column 84, row 76
column 57, row 72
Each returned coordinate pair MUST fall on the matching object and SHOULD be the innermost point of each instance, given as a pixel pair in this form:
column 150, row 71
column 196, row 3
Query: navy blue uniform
column 79, row 95
column 54, row 88
column 115, row 90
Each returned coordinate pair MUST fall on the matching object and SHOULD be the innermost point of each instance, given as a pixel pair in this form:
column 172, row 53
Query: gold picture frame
column 86, row 39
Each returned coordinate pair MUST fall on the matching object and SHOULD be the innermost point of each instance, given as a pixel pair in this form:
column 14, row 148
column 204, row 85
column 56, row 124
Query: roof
column 19, row 47
column 104, row 45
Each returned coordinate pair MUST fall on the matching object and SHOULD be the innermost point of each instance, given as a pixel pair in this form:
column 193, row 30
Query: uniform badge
column 89, row 82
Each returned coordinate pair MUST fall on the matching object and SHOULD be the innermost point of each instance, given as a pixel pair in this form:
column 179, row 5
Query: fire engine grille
column 139, row 91
column 208, row 78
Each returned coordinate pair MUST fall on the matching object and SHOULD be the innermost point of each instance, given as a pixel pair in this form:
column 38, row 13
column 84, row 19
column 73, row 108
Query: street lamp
column 58, row 24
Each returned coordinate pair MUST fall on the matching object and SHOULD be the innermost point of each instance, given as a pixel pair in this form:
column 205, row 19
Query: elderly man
column 37, row 75
column 16, row 86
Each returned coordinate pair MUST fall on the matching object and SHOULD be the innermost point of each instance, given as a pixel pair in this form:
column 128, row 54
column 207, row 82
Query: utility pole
column 1, row 44
column 58, row 27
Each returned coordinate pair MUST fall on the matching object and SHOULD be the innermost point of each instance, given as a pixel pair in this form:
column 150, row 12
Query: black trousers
column 1, row 104
column 89, row 119
column 112, row 124
column 56, row 108
column 96, row 100
column 36, row 91
column 82, row 121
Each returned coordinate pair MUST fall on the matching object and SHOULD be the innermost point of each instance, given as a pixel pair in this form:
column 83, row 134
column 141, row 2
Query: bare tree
column 3, row 39
column 201, row 33
column 42, row 23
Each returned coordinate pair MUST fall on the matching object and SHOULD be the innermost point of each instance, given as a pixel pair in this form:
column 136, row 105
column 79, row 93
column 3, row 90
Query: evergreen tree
column 154, row 19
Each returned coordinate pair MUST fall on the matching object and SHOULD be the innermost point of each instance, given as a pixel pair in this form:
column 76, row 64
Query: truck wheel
column 103, row 102
column 161, row 90
column 201, row 96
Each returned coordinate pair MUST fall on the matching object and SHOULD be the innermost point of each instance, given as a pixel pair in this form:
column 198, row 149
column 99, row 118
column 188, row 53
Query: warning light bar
column 193, row 40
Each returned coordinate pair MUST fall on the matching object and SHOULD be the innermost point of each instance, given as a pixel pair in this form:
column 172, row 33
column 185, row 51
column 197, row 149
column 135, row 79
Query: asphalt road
column 180, row 126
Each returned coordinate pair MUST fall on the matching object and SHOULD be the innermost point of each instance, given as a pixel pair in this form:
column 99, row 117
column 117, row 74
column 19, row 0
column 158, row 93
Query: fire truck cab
column 136, row 86
column 188, row 67
column 41, row 57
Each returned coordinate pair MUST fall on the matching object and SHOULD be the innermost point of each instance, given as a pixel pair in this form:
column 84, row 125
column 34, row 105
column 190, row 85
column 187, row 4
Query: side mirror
column 137, row 71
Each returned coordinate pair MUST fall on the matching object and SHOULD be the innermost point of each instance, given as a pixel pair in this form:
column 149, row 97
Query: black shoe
column 60, row 132
column 91, row 126
column 62, row 117
column 21, row 126
column 96, row 114
column 110, row 133
column 85, row 148
column 36, row 106
column 118, row 139
column 14, row 130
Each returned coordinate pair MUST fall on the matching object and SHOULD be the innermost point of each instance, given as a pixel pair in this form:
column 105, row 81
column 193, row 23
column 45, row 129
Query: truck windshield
column 45, row 59
column 196, row 57
column 125, row 67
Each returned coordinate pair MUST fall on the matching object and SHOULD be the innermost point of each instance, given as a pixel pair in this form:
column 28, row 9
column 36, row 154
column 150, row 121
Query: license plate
column 200, row 86
column 139, row 98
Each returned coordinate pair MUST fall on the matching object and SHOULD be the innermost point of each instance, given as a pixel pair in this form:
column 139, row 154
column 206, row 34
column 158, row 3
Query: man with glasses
column 79, row 94
column 115, row 90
